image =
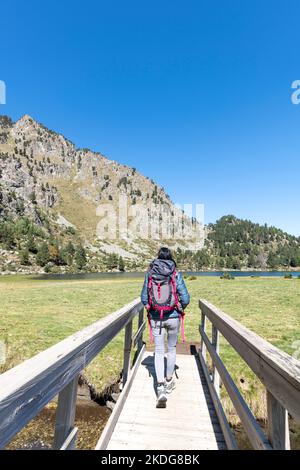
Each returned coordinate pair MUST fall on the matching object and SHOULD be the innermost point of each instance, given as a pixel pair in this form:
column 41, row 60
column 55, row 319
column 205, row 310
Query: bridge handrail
column 279, row 372
column 28, row 387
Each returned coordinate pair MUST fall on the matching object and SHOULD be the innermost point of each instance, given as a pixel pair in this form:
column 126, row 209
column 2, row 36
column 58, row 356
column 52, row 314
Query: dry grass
column 71, row 206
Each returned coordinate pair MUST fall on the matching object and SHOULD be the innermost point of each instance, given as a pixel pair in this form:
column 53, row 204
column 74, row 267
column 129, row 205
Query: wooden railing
column 279, row 372
column 28, row 387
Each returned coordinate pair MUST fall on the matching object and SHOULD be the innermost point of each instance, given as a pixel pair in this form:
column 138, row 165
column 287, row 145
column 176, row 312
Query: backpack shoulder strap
column 174, row 288
column 149, row 289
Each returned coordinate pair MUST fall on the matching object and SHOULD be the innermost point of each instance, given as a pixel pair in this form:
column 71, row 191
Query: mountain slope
column 60, row 209
column 233, row 243
column 64, row 193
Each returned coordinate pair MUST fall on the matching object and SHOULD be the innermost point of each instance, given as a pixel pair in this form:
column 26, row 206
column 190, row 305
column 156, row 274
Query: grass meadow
column 35, row 314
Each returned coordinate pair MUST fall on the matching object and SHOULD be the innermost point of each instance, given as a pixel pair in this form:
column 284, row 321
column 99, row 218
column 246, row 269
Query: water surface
column 128, row 275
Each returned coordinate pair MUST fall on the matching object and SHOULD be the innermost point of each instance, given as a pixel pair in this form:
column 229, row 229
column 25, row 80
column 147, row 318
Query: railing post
column 141, row 320
column 65, row 413
column 202, row 344
column 127, row 351
column 278, row 424
column 216, row 346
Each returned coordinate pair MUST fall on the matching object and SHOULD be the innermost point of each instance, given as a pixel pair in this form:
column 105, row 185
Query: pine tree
column 80, row 257
column 112, row 261
column 121, row 264
column 43, row 257
column 67, row 253
column 24, row 257
column 31, row 245
column 54, row 254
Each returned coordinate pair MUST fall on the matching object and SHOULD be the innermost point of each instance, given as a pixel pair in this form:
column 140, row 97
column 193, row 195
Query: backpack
column 162, row 294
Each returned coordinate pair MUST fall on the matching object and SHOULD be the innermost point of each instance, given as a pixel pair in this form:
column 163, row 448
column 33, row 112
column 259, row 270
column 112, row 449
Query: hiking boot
column 170, row 385
column 161, row 396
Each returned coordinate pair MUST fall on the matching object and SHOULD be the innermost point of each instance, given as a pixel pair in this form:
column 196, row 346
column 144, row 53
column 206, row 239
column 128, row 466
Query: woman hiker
column 165, row 297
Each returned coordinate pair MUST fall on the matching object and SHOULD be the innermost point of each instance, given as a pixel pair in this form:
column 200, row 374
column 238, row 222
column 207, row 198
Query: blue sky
column 194, row 94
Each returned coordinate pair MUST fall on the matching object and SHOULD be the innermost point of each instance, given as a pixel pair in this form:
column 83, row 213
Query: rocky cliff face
column 43, row 174
column 24, row 168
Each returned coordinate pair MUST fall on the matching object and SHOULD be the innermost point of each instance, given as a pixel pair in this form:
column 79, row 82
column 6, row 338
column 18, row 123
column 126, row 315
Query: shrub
column 67, row 253
column 70, row 230
column 112, row 261
column 43, row 256
column 227, row 276
column 24, row 257
column 7, row 235
column 32, row 198
column 31, row 246
column 54, row 254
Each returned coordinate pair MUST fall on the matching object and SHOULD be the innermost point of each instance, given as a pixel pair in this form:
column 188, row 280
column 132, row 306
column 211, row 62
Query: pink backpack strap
column 173, row 281
column 149, row 290
column 150, row 328
column 182, row 315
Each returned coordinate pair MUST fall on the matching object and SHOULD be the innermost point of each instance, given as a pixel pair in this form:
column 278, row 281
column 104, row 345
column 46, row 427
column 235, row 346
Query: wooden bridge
column 194, row 417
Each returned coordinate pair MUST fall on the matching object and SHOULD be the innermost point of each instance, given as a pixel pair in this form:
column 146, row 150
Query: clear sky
column 194, row 94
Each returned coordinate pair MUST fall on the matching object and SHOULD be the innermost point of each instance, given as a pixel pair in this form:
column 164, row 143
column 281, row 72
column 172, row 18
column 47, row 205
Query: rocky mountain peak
column 26, row 119
column 43, row 175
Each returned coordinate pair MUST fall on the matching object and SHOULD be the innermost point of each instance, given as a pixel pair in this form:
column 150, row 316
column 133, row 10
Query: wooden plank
column 70, row 441
column 202, row 344
column 137, row 337
column 28, row 387
column 110, row 425
column 228, row 434
column 216, row 345
column 127, row 352
column 204, row 424
column 180, row 405
column 141, row 326
column 188, row 422
column 278, row 424
column 142, row 442
column 170, row 432
column 278, row 371
column 132, row 438
column 253, row 430
column 65, row 413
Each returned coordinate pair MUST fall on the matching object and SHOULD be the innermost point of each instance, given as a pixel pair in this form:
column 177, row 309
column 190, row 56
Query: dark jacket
column 161, row 268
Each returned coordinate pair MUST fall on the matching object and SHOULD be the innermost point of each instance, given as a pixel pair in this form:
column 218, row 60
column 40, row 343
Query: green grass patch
column 36, row 314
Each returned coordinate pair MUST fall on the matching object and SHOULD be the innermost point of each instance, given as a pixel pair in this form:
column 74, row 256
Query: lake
column 126, row 275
